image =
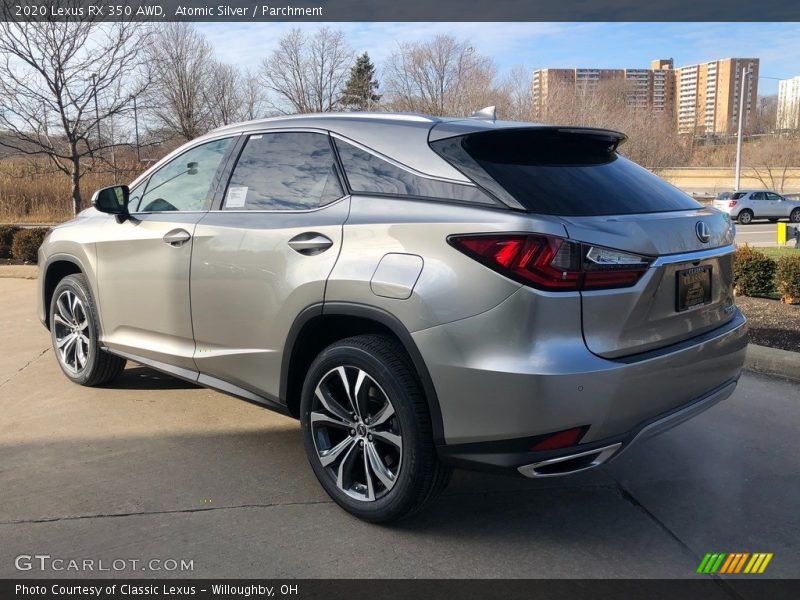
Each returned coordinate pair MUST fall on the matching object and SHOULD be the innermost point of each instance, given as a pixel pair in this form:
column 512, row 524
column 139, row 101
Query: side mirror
column 113, row 200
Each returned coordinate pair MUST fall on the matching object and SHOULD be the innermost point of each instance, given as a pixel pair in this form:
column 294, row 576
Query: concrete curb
column 772, row 361
column 19, row 271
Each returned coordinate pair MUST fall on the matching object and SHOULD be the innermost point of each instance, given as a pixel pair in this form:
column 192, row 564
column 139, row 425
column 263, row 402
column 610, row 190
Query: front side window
column 370, row 174
column 184, row 184
column 284, row 171
column 774, row 197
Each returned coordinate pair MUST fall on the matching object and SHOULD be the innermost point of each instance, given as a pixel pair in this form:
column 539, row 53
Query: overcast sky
column 540, row 45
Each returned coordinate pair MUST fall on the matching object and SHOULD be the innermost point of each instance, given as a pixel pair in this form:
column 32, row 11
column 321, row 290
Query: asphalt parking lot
column 156, row 468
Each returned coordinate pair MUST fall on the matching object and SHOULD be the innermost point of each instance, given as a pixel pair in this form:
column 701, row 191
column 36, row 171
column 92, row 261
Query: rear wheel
column 795, row 216
column 367, row 430
column 74, row 332
column 745, row 217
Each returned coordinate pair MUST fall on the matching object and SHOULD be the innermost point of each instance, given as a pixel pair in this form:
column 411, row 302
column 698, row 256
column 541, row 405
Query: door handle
column 177, row 237
column 310, row 243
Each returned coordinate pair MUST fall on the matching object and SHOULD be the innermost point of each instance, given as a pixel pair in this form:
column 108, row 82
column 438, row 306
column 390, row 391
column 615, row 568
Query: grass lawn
column 775, row 252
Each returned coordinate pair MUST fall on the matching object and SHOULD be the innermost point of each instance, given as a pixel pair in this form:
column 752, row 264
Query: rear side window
column 284, row 171
column 738, row 195
column 558, row 172
column 370, row 174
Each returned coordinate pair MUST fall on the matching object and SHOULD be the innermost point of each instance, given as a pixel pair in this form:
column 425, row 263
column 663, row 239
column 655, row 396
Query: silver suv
column 421, row 293
column 744, row 206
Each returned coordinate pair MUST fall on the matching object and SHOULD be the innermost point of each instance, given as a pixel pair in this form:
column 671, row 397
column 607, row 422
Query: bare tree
column 307, row 74
column 253, row 106
column 771, row 157
column 441, row 76
column 59, row 81
column 225, row 95
column 516, row 95
column 181, row 68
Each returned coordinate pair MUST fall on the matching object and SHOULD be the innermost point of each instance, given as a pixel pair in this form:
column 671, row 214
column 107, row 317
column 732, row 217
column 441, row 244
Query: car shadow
column 138, row 377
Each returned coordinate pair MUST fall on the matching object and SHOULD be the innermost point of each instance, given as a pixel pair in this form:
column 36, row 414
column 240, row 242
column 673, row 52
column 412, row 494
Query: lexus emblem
column 702, row 231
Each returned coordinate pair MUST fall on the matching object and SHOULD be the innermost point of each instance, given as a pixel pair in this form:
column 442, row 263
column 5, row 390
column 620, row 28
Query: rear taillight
column 732, row 203
column 552, row 263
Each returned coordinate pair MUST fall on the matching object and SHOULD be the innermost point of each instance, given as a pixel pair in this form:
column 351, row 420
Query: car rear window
column 560, row 172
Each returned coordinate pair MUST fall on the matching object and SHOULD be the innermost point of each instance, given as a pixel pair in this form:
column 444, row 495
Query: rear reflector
column 552, row 263
column 560, row 439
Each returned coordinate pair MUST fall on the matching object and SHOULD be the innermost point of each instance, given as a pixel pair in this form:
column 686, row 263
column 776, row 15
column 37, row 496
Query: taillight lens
column 732, row 203
column 552, row 263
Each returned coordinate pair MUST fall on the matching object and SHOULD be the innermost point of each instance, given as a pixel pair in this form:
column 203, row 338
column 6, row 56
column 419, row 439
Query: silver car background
column 745, row 206
column 420, row 292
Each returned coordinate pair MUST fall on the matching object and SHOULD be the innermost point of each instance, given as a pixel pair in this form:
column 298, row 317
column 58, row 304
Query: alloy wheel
column 356, row 433
column 745, row 218
column 71, row 331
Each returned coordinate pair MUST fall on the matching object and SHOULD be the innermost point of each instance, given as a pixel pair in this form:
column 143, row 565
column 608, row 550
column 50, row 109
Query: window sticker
column 237, row 194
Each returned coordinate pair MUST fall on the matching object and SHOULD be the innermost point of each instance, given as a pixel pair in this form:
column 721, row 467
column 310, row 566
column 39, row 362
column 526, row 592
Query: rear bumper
column 499, row 390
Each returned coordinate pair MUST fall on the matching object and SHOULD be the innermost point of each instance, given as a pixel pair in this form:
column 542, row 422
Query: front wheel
column 745, row 217
column 74, row 330
column 795, row 216
column 367, row 430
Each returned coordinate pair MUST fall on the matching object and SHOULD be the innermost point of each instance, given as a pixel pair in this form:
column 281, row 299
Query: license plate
column 694, row 287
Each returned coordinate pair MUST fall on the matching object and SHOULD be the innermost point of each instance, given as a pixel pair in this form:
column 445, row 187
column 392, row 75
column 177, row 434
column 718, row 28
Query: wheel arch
column 55, row 269
column 318, row 326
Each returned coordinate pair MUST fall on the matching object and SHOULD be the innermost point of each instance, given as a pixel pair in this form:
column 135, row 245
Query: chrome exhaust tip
column 571, row 463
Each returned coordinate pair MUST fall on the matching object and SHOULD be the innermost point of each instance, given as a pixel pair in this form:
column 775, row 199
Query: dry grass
column 32, row 192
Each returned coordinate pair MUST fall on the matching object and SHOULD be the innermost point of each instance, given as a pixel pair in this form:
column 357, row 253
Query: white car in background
column 744, row 206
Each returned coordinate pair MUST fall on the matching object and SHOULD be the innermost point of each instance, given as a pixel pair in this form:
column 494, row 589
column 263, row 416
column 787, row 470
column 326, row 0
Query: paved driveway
column 157, row 468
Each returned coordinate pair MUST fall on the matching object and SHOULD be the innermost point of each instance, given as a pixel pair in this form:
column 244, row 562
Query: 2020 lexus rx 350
column 420, row 292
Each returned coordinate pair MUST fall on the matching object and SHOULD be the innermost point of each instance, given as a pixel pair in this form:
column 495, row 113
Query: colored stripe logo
column 735, row 562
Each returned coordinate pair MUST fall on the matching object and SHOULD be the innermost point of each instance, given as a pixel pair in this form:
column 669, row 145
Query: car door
column 143, row 263
column 758, row 204
column 777, row 206
column 264, row 256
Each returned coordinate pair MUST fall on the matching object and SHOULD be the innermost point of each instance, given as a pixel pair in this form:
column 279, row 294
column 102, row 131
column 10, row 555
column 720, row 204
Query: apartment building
column 789, row 103
column 708, row 95
column 703, row 98
column 645, row 88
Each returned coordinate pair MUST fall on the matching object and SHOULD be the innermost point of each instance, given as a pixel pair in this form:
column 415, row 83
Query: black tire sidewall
column 794, row 216
column 746, row 213
column 77, row 285
column 397, row 499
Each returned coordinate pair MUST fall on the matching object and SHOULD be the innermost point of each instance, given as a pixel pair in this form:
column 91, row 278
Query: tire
column 773, row 220
column 794, row 217
column 745, row 217
column 387, row 434
column 73, row 315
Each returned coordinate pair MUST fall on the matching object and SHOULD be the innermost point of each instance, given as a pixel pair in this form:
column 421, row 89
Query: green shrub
column 787, row 278
column 6, row 238
column 26, row 243
column 753, row 272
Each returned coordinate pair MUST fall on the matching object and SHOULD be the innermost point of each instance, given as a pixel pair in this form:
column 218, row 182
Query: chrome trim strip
column 603, row 454
column 670, row 259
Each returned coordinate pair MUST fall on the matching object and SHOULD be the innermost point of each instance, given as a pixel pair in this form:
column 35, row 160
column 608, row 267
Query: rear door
column 143, row 263
column 757, row 201
column 264, row 255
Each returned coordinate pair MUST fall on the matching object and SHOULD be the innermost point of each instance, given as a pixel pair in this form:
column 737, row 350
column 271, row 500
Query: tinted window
column 757, row 196
column 370, row 174
column 561, row 173
column 185, row 182
column 738, row 195
column 284, row 171
column 773, row 196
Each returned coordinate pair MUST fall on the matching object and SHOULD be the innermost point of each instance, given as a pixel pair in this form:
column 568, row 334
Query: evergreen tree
column 359, row 92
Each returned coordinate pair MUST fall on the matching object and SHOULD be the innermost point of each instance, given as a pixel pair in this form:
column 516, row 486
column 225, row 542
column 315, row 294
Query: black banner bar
column 705, row 588
column 405, row 10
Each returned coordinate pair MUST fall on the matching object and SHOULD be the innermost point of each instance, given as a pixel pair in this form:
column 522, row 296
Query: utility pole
column 743, row 92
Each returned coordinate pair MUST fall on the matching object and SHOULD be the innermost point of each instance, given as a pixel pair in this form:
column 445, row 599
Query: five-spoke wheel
column 71, row 330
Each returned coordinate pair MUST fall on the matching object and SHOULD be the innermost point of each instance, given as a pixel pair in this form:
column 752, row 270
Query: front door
column 265, row 256
column 143, row 263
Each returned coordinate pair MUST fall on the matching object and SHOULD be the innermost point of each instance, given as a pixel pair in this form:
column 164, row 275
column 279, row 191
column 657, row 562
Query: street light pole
column 742, row 85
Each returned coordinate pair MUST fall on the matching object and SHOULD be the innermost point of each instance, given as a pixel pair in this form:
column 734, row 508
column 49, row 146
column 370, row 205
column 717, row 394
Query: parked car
column 744, row 206
column 421, row 293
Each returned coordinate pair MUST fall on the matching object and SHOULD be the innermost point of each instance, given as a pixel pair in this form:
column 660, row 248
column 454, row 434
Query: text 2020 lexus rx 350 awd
column 420, row 292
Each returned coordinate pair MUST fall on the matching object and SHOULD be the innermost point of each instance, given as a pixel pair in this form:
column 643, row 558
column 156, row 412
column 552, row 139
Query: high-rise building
column 703, row 98
column 708, row 95
column 789, row 103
